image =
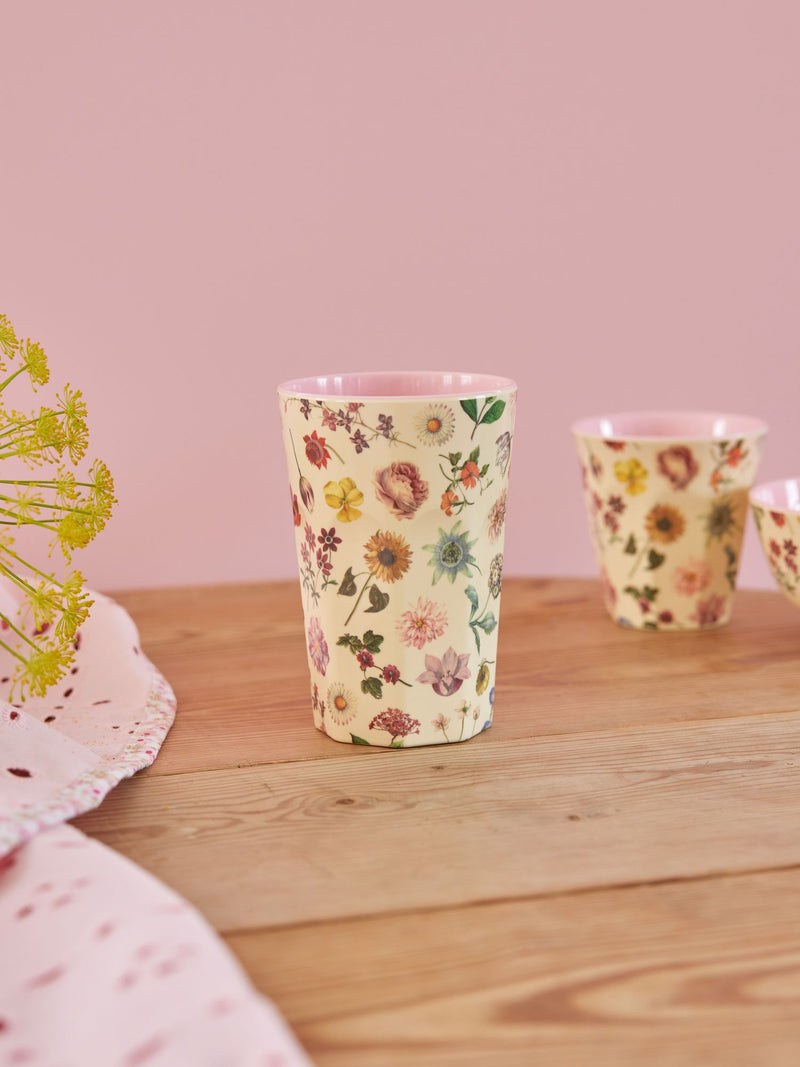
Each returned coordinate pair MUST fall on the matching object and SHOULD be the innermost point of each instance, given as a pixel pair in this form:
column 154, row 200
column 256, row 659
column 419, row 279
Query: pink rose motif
column 447, row 674
column 400, row 487
column 692, row 578
column 678, row 465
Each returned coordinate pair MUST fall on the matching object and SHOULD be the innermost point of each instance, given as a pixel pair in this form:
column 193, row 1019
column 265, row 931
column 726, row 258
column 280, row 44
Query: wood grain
column 236, row 658
column 444, row 825
column 680, row 974
column 610, row 876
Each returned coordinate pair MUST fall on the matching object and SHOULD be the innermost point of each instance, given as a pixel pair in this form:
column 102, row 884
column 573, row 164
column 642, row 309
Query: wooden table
column 611, row 875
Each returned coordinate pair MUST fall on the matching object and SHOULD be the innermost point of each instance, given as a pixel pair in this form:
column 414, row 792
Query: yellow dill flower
column 8, row 339
column 36, row 363
column 43, row 667
column 76, row 432
column 69, row 508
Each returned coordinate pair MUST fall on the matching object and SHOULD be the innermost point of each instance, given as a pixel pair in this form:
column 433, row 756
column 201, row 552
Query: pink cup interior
column 782, row 495
column 377, row 385
column 670, row 425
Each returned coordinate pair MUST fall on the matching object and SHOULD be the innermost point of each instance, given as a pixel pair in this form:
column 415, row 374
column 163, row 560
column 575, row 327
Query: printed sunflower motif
column 451, row 555
column 664, row 524
column 342, row 705
column 387, row 556
column 435, row 424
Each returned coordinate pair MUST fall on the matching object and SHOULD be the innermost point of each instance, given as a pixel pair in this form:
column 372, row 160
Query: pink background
column 200, row 200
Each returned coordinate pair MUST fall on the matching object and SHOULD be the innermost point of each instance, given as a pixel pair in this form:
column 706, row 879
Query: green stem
column 358, row 599
column 294, row 453
column 19, row 633
column 639, row 558
column 481, row 413
column 11, row 377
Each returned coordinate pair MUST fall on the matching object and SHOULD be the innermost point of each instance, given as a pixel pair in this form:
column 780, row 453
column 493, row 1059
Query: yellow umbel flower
column 347, row 497
column 36, row 363
column 66, row 508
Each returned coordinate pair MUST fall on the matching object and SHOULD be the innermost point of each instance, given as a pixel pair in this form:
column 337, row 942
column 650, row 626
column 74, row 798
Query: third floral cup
column 667, row 498
column 399, row 487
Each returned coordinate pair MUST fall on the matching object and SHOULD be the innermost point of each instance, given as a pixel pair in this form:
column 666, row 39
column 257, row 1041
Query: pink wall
column 598, row 199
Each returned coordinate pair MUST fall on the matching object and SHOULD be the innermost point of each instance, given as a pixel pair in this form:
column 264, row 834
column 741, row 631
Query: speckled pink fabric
column 100, row 964
column 103, row 966
column 60, row 754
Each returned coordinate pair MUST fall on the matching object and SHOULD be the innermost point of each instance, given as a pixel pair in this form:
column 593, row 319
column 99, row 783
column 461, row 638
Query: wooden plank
column 235, row 656
column 400, row 830
column 700, row 973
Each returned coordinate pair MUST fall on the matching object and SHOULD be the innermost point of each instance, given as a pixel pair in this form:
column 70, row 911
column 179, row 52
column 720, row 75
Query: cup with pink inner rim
column 776, row 510
column 399, row 485
column 666, row 496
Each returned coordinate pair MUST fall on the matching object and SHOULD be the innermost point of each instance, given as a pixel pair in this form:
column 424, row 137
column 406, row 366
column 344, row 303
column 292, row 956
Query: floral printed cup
column 776, row 510
column 666, row 494
column 398, row 489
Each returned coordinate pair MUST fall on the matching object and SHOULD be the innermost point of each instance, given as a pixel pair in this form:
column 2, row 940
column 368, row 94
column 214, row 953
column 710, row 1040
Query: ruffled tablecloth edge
column 88, row 791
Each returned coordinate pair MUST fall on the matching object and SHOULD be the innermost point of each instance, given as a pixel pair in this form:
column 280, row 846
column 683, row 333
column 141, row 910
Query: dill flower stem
column 11, row 377
column 43, row 504
column 26, row 586
column 8, row 648
column 20, row 633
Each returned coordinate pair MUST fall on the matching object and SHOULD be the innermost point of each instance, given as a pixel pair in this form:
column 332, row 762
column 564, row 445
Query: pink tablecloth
column 100, row 964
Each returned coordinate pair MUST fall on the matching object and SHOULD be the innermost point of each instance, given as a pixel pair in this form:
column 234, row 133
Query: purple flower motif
column 317, row 645
column 329, row 419
column 385, row 424
column 345, row 418
column 360, row 441
column 305, row 408
column 447, row 674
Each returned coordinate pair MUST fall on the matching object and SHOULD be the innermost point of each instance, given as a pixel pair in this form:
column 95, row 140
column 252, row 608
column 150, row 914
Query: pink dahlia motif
column 447, row 674
column 400, row 487
column 422, row 624
column 709, row 611
column 317, row 646
column 395, row 722
column 678, row 465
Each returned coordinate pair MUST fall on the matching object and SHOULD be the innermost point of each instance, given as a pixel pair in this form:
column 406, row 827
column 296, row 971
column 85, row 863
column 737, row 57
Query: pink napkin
column 100, row 964
column 60, row 754
column 103, row 966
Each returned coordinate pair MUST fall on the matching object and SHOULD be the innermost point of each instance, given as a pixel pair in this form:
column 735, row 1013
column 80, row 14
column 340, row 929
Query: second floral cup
column 399, row 487
column 666, row 495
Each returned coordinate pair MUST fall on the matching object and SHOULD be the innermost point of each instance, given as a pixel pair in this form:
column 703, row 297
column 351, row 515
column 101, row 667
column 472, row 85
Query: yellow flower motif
column 347, row 497
column 632, row 474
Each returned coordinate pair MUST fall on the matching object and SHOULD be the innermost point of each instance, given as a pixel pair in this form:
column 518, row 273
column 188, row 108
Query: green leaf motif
column 348, row 586
column 377, row 599
column 471, row 408
column 654, row 559
column 495, row 411
column 455, row 459
column 397, row 743
column 488, row 623
column 372, row 686
column 351, row 642
column 649, row 593
column 630, row 546
column 358, row 740
column 474, row 455
column 472, row 596
column 372, row 641
column 476, row 635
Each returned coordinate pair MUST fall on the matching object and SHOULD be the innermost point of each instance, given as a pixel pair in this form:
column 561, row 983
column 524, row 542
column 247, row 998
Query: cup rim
column 784, row 499
column 689, row 426
column 388, row 385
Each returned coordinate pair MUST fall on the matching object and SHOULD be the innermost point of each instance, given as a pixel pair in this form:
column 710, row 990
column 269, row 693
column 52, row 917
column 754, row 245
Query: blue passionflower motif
column 452, row 555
